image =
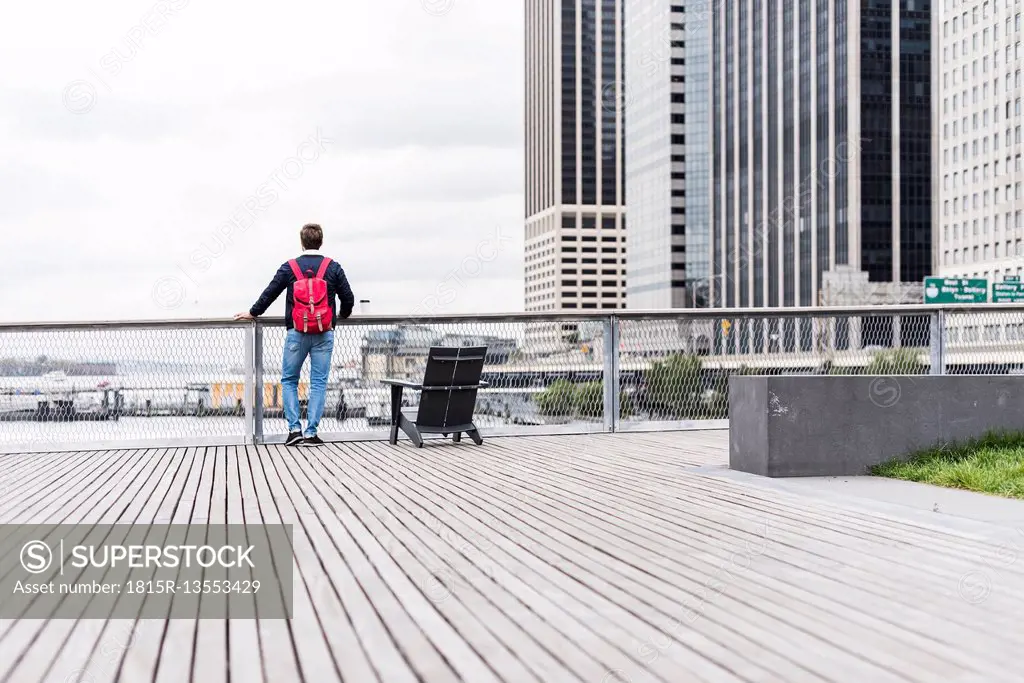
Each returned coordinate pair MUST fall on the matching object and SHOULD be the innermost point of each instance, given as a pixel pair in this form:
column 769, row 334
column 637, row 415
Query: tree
column 585, row 400
column 588, row 399
column 896, row 362
column 674, row 387
column 557, row 399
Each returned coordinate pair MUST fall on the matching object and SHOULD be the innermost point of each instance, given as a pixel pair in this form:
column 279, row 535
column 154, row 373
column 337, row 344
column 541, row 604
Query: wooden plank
column 408, row 530
column 309, row 584
column 90, row 492
column 719, row 507
column 279, row 652
column 337, row 626
column 842, row 516
column 575, row 597
column 340, row 599
column 125, row 642
column 243, row 636
column 375, row 516
column 24, row 475
column 722, row 503
column 94, row 646
column 211, row 643
column 468, row 626
column 20, row 502
column 142, row 660
column 49, row 484
column 453, row 472
column 855, row 523
column 513, row 535
column 176, row 659
column 560, row 558
column 365, row 558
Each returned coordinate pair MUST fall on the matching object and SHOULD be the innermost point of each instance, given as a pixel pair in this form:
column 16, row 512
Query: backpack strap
column 323, row 268
column 295, row 270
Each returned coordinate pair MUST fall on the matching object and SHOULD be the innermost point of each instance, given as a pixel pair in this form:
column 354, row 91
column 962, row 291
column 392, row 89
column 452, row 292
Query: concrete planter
column 792, row 426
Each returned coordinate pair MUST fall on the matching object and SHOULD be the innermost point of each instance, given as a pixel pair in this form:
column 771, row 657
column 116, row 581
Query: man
column 315, row 338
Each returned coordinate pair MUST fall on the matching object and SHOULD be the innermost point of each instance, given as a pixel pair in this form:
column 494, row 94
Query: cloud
column 42, row 115
column 122, row 176
column 436, row 111
column 27, row 187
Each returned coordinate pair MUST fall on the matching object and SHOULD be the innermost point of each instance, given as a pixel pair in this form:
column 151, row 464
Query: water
column 129, row 429
column 169, row 392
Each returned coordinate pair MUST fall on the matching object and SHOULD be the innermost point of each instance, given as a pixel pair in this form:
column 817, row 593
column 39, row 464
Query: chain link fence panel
column 185, row 384
column 984, row 343
column 118, row 385
column 678, row 370
column 538, row 374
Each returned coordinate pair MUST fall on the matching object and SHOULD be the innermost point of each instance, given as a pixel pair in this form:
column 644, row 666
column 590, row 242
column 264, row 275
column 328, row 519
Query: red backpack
column 311, row 311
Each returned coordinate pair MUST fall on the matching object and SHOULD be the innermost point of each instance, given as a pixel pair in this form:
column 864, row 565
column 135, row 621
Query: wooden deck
column 607, row 558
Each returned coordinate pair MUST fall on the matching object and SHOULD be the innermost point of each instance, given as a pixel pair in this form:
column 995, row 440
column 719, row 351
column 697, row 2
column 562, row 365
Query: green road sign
column 943, row 290
column 1008, row 291
column 1011, row 278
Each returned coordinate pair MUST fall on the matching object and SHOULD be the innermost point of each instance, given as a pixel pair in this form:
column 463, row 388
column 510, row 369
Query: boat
column 56, row 397
column 56, row 381
column 378, row 404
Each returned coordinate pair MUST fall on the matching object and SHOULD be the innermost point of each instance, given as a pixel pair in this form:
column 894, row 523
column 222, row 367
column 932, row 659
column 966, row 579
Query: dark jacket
column 284, row 280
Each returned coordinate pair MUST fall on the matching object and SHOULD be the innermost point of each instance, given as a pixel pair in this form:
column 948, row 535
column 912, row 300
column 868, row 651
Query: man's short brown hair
column 312, row 236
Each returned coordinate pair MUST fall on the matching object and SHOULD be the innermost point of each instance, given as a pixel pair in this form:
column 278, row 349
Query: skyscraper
column 575, row 222
column 667, row 160
column 979, row 172
column 821, row 139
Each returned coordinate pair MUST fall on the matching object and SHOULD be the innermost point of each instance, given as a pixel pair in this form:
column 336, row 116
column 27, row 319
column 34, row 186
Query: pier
column 606, row 549
column 612, row 557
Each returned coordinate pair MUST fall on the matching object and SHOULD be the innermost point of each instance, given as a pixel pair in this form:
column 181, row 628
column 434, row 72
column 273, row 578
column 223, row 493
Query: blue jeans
column 296, row 347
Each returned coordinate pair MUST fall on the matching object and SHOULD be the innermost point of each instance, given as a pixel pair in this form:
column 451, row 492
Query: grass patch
column 993, row 464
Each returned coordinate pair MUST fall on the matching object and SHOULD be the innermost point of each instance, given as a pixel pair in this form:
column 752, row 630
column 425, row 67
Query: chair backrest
column 450, row 367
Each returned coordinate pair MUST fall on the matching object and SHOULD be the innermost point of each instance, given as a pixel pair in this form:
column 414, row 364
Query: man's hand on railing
column 244, row 316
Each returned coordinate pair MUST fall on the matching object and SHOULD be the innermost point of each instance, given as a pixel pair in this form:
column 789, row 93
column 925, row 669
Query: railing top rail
column 545, row 316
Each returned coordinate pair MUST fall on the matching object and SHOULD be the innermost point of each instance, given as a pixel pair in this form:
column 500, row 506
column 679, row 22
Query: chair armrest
column 455, row 387
column 401, row 383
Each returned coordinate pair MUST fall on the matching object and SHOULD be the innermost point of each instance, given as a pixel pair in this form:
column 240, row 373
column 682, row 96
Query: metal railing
column 157, row 383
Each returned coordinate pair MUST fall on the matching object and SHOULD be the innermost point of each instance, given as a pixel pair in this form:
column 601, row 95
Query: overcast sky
column 159, row 158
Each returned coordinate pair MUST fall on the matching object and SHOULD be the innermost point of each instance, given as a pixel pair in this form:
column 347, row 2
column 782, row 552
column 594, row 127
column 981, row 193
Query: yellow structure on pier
column 229, row 394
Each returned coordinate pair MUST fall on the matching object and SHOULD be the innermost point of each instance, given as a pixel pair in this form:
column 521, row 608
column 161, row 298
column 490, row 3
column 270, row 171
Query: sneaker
column 312, row 441
column 294, row 439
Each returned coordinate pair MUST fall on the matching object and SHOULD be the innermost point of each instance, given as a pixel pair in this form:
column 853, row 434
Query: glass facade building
column 821, row 136
column 667, row 160
column 574, row 113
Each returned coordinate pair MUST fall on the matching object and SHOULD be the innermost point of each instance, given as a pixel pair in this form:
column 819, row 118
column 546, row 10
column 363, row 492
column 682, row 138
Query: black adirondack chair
column 447, row 396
